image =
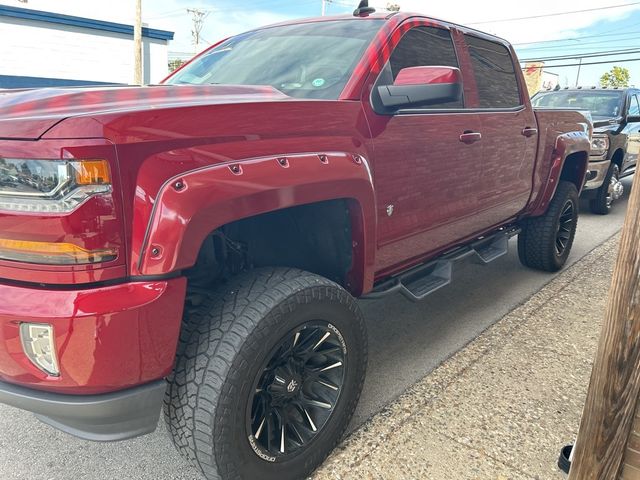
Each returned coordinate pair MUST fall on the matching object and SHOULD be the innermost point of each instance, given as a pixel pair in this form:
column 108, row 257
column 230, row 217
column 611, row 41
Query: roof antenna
column 363, row 9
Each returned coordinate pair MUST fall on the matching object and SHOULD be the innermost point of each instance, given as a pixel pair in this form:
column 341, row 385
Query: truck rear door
column 509, row 130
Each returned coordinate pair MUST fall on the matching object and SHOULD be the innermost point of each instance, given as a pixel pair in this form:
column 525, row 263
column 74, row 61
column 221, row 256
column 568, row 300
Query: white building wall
column 118, row 11
column 31, row 48
column 158, row 60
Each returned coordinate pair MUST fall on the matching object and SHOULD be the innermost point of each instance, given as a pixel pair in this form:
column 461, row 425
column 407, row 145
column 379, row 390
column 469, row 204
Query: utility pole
column 137, row 45
column 614, row 390
column 578, row 76
column 198, row 17
column 324, row 7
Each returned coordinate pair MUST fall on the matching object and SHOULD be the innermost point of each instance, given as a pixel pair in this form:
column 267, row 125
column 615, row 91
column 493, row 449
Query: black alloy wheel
column 565, row 227
column 298, row 390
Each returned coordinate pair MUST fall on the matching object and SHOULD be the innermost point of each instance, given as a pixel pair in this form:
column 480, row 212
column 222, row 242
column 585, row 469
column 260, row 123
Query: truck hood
column 28, row 114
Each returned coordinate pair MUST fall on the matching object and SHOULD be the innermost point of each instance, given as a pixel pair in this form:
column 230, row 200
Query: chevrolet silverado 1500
column 203, row 241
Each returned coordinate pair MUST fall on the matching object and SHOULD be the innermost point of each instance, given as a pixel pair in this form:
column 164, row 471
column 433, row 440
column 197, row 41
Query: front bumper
column 596, row 173
column 102, row 418
column 115, row 345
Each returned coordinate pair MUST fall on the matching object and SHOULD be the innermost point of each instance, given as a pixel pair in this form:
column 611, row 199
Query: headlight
column 51, row 186
column 599, row 145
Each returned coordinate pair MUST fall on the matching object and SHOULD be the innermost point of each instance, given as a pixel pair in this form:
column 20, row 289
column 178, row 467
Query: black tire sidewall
column 232, row 444
column 570, row 195
column 536, row 242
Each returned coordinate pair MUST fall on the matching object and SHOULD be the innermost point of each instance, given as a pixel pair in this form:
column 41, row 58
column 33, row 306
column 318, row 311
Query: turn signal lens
column 39, row 346
column 52, row 253
column 92, row 172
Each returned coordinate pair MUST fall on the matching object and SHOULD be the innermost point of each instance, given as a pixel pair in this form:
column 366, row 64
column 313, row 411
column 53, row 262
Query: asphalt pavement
column 407, row 341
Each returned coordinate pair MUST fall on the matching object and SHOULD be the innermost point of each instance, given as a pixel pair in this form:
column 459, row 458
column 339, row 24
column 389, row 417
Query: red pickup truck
column 203, row 241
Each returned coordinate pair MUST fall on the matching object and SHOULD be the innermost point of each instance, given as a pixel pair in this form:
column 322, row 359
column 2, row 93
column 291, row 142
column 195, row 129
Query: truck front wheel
column 545, row 242
column 268, row 374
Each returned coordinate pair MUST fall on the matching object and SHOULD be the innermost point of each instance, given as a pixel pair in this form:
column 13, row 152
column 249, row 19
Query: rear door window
column 495, row 73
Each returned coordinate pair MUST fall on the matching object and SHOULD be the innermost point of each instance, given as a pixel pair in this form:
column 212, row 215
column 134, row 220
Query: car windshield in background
column 598, row 102
column 309, row 60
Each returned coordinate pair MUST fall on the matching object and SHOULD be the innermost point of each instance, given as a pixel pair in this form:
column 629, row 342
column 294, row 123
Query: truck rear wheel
column 545, row 242
column 268, row 374
column 610, row 191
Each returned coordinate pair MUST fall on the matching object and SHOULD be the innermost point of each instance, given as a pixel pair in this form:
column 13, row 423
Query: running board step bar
column 419, row 282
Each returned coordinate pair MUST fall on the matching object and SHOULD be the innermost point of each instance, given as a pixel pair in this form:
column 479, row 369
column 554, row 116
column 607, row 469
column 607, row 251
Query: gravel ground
column 502, row 407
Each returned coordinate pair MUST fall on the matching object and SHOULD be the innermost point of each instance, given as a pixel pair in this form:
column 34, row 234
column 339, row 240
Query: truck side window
column 495, row 73
column 422, row 47
column 634, row 108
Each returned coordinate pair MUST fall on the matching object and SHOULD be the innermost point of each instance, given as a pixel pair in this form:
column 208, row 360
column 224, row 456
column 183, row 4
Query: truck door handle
column 529, row 132
column 469, row 137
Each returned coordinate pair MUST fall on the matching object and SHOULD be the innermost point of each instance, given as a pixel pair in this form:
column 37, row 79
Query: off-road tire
column 537, row 240
column 224, row 342
column 600, row 205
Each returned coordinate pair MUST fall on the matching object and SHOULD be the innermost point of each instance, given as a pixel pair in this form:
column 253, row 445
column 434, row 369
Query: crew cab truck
column 197, row 246
column 615, row 144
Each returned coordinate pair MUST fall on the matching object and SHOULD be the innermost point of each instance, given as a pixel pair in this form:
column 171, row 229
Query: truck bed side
column 563, row 153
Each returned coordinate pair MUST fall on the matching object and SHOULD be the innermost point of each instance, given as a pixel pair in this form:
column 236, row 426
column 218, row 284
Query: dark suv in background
column 616, row 140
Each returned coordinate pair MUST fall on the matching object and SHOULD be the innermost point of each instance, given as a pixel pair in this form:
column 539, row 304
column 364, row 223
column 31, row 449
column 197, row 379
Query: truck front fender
column 569, row 160
column 192, row 205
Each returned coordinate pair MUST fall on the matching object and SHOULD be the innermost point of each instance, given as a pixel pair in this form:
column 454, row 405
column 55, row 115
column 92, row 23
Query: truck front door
column 425, row 177
column 632, row 129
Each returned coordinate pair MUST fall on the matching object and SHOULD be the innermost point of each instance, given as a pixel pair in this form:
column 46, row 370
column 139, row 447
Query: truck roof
column 395, row 17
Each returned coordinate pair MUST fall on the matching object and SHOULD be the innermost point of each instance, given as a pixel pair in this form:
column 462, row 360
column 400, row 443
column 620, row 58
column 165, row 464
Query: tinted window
column 634, row 108
column 422, row 47
column 495, row 73
column 309, row 60
column 600, row 103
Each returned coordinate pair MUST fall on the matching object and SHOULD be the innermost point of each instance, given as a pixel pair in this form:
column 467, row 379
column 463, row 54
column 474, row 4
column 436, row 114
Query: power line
column 577, row 49
column 628, row 43
column 577, row 38
column 264, row 3
column 584, row 55
column 555, row 14
column 164, row 14
column 585, row 63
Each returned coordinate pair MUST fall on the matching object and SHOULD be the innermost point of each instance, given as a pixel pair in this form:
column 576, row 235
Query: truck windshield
column 599, row 103
column 309, row 60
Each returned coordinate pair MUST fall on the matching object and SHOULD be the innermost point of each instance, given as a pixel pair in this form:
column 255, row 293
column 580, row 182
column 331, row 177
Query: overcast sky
column 587, row 32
